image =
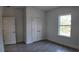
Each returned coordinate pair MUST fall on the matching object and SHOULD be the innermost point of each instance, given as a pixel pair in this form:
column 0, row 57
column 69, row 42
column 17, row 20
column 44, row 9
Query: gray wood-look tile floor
column 41, row 46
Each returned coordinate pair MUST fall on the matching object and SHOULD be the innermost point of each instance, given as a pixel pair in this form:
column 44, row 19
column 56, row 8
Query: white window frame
column 59, row 25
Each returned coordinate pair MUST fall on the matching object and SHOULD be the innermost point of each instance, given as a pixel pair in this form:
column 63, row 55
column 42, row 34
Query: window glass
column 64, row 25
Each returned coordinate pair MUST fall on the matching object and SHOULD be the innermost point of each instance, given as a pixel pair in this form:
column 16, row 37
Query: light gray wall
column 19, row 25
column 24, row 25
column 33, row 12
column 52, row 26
column 1, row 33
column 18, row 14
column 8, row 11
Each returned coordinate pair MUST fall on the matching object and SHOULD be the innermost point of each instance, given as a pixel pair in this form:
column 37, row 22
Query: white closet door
column 9, row 30
column 36, row 29
column 39, row 28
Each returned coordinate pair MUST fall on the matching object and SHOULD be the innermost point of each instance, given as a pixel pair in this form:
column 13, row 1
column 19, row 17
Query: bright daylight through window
column 64, row 25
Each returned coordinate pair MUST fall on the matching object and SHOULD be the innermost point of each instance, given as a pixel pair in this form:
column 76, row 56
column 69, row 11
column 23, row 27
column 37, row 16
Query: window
column 64, row 25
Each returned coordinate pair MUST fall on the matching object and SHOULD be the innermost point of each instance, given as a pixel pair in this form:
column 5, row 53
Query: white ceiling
column 46, row 8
